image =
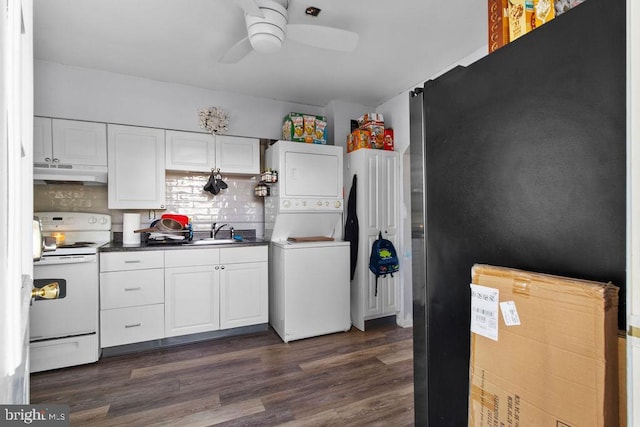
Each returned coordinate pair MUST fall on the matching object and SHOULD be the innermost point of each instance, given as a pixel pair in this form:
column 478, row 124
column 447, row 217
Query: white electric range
column 64, row 331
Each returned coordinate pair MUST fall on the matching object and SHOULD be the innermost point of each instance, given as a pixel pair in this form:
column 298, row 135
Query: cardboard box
column 544, row 11
column 517, row 19
column 293, row 127
column 376, row 134
column 359, row 138
column 304, row 128
column 622, row 378
column 370, row 117
column 498, row 24
column 388, row 139
column 557, row 362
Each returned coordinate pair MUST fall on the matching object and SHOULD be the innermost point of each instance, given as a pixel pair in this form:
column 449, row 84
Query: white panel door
column 16, row 197
column 244, row 298
column 79, row 143
column 136, row 167
column 390, row 185
column 191, row 301
column 373, row 194
column 239, row 155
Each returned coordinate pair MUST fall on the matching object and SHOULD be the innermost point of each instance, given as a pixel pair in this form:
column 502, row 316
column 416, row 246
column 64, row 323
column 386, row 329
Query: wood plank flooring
column 344, row 379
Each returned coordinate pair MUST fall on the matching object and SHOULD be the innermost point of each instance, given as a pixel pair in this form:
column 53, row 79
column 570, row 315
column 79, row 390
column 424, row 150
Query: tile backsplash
column 237, row 205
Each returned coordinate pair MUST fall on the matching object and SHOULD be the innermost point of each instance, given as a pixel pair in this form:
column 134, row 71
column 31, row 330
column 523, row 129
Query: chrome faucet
column 214, row 230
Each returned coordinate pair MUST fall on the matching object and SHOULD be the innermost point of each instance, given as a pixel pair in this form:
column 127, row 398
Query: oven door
column 75, row 312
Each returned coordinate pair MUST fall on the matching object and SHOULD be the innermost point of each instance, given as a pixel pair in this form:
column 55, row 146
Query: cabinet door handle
column 133, row 289
column 216, row 267
column 222, row 267
column 133, row 325
column 47, row 159
column 133, row 261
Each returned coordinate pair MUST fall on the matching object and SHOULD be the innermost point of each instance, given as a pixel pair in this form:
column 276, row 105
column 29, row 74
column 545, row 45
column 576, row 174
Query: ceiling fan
column 268, row 26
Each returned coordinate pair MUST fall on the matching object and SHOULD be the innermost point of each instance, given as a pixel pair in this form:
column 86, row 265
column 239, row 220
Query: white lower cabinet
column 244, row 298
column 131, row 297
column 191, row 294
column 191, row 291
column 147, row 295
column 131, row 325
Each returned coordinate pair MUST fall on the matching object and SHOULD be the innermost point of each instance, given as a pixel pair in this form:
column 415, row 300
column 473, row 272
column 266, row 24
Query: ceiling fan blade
column 323, row 37
column 237, row 52
column 250, row 7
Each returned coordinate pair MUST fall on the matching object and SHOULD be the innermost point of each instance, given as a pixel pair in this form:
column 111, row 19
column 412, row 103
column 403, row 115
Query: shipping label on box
column 554, row 362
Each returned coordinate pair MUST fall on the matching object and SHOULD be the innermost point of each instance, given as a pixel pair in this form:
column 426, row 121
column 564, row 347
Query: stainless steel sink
column 210, row 241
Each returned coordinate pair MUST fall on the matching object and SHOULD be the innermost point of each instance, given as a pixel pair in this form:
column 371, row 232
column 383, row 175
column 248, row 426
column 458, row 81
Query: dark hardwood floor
column 344, row 379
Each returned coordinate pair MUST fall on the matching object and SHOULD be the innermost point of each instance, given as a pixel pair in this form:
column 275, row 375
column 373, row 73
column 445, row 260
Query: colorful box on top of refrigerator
column 517, row 19
column 498, row 24
column 359, row 138
column 388, row 139
column 544, row 350
column 308, row 128
column 544, row 11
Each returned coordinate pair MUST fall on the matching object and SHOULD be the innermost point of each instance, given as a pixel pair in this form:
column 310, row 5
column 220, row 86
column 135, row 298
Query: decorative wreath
column 215, row 120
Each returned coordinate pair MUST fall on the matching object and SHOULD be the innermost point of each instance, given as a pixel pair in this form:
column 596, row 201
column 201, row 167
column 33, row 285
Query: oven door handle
column 48, row 291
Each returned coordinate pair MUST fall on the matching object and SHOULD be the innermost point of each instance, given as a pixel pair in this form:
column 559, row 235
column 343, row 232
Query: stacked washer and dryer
column 309, row 282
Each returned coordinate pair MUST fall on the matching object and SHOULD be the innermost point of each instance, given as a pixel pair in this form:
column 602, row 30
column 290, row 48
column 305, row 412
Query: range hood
column 43, row 173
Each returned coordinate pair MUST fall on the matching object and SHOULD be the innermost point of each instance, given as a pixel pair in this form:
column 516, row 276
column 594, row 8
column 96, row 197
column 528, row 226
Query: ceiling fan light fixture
column 267, row 34
column 265, row 43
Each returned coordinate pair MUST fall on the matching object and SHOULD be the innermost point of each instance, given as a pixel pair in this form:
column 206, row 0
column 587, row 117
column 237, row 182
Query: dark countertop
column 119, row 247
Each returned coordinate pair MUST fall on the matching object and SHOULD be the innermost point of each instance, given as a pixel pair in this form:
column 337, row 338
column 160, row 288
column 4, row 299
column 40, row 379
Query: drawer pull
column 133, row 261
column 133, row 325
column 133, row 289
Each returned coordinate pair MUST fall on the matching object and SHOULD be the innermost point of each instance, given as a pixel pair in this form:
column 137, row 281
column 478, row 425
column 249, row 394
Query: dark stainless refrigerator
column 518, row 160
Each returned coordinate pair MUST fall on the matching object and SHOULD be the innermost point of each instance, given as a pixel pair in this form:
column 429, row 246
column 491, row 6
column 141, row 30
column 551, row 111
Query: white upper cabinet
column 136, row 167
column 236, row 154
column 72, row 142
column 199, row 152
column 190, row 151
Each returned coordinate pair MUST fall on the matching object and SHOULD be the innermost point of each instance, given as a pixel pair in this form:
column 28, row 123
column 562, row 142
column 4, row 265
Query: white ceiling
column 402, row 43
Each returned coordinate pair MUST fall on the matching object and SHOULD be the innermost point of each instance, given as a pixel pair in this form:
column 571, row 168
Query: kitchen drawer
column 245, row 254
column 119, row 289
column 135, row 260
column 191, row 257
column 130, row 325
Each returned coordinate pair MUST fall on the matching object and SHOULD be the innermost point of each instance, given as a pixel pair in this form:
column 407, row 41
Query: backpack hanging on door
column 383, row 259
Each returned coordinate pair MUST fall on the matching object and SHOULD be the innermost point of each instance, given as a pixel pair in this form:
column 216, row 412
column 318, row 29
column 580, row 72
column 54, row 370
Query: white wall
column 339, row 116
column 396, row 116
column 83, row 94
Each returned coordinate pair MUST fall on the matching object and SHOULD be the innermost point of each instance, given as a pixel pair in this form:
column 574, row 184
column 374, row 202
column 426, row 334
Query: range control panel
column 76, row 221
